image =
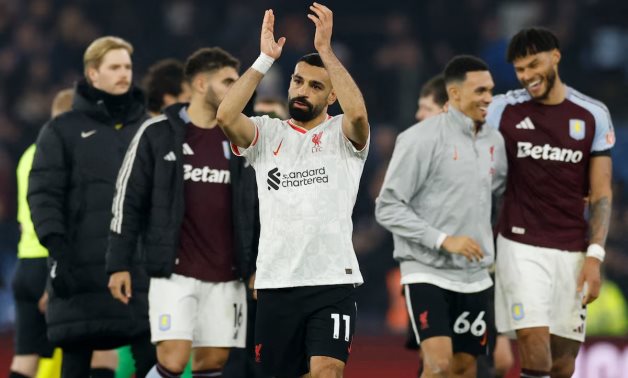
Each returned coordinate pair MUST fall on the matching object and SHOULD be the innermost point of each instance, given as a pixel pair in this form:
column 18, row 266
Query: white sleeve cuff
column 440, row 240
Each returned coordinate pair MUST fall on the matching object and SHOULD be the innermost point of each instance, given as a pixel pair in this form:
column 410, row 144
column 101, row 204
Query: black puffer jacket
column 71, row 188
column 149, row 202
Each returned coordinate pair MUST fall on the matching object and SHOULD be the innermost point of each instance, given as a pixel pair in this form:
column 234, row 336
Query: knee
column 503, row 363
column 563, row 367
column 213, row 359
column 502, row 356
column 174, row 362
column 107, row 359
column 439, row 367
column 25, row 365
column 532, row 341
column 326, row 367
column 174, row 355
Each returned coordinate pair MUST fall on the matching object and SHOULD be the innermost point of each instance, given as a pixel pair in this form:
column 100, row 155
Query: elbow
column 221, row 119
column 381, row 215
column 359, row 119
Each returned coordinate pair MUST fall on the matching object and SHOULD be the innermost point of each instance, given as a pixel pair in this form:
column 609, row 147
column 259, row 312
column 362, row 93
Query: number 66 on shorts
column 435, row 311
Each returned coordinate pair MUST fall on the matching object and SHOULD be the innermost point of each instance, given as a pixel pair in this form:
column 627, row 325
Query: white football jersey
column 307, row 185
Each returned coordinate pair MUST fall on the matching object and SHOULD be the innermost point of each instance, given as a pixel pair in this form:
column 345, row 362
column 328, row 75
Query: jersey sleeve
column 495, row 111
column 604, row 138
column 361, row 153
column 251, row 153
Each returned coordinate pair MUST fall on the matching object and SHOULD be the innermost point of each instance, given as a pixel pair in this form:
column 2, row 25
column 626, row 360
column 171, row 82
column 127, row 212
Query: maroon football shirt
column 206, row 241
column 548, row 149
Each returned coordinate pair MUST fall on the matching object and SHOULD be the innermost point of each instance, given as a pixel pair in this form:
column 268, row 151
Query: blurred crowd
column 389, row 50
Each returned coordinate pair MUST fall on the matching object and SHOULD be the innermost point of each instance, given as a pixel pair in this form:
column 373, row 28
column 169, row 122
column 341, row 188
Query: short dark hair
column 209, row 59
column 435, row 87
column 457, row 68
column 531, row 41
column 163, row 77
column 312, row 59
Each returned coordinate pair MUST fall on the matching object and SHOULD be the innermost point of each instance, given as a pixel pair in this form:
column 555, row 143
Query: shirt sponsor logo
column 577, row 129
column 206, row 174
column 547, row 152
column 296, row 179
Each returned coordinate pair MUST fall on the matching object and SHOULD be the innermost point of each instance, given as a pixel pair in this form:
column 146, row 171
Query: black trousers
column 76, row 360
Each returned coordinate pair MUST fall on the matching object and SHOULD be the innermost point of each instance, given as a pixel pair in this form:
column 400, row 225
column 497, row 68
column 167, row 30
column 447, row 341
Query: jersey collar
column 302, row 130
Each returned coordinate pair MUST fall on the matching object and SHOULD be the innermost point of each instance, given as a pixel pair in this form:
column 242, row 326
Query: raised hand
column 267, row 43
column 323, row 18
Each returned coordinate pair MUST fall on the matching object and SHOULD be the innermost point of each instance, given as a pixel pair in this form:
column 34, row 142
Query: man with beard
column 308, row 170
column 558, row 143
column 194, row 207
column 70, row 193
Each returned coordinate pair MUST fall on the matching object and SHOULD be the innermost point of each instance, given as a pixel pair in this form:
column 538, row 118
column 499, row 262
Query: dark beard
column 550, row 77
column 303, row 115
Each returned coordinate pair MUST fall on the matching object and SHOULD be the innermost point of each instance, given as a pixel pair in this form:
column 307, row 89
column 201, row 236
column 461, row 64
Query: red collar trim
column 301, row 129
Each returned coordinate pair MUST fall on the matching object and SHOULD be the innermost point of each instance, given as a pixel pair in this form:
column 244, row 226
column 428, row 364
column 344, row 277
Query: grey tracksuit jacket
column 441, row 180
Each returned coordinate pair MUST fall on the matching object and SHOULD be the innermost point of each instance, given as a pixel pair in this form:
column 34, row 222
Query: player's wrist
column 263, row 63
column 441, row 239
column 596, row 251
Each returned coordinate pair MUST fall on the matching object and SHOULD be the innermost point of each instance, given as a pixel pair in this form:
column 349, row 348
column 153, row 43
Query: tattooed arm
column 600, row 199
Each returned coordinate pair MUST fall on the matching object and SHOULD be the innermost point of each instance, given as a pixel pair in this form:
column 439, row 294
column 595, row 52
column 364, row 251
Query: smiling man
column 558, row 143
column 436, row 200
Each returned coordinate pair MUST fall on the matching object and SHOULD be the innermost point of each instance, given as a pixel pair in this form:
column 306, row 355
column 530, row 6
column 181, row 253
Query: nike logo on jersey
column 276, row 152
column 526, row 124
column 87, row 134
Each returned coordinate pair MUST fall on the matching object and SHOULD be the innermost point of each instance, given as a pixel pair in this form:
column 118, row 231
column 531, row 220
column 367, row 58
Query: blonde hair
column 62, row 102
column 99, row 48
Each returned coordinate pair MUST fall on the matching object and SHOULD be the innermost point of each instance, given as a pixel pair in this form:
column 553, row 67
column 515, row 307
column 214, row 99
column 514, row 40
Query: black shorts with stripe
column 464, row 317
column 294, row 324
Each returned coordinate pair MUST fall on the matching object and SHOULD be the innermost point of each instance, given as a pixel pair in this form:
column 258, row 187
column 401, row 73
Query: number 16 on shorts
column 347, row 326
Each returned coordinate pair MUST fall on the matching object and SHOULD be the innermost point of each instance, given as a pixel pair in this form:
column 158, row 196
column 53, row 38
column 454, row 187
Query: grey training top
column 440, row 180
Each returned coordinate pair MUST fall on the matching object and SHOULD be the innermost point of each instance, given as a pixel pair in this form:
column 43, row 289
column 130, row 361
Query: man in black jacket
column 193, row 208
column 71, row 188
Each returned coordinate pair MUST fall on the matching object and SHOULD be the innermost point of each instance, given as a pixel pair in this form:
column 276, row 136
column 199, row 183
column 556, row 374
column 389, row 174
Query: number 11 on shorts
column 336, row 318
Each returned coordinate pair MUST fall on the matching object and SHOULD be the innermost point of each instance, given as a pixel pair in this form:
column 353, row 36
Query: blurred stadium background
column 390, row 48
